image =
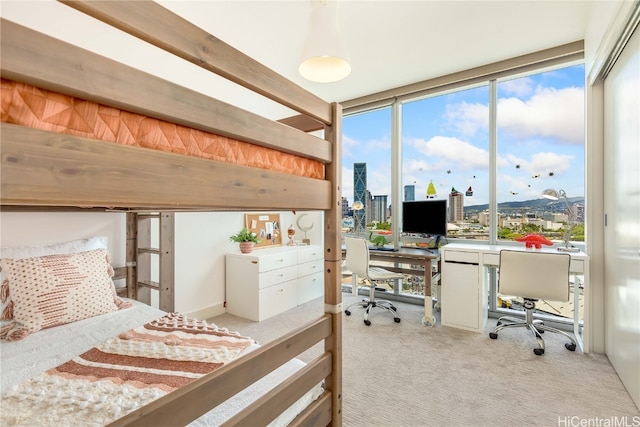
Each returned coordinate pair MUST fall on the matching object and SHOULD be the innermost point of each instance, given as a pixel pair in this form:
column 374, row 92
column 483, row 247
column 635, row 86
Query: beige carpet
column 405, row 374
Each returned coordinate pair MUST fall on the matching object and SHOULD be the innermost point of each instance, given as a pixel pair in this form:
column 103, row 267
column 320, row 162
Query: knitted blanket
column 122, row 374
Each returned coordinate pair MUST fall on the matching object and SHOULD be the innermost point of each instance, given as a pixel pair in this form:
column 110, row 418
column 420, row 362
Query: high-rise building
column 456, row 206
column 360, row 194
column 578, row 213
column 379, row 211
column 409, row 193
column 345, row 207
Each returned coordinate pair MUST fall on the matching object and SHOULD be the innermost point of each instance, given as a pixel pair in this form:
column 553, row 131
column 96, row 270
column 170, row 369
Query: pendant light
column 324, row 56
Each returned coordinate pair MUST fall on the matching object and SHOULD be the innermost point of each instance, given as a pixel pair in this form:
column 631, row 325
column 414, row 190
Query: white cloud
column 552, row 113
column 452, row 151
column 348, row 144
column 542, row 164
column 468, row 118
column 353, row 148
column 519, row 87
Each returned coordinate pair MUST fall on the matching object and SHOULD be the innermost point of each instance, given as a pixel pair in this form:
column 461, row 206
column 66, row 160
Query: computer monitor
column 425, row 217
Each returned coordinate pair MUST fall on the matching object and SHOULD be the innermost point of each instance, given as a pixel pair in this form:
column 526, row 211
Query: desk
column 465, row 286
column 411, row 257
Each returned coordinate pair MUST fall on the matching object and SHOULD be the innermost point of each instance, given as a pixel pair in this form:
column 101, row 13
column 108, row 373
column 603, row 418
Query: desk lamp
column 553, row 194
column 357, row 206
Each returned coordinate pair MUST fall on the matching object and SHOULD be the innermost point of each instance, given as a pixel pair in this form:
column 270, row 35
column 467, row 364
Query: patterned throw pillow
column 58, row 289
column 21, row 252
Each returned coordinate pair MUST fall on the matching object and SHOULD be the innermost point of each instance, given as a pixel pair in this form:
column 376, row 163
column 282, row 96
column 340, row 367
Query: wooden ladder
column 142, row 258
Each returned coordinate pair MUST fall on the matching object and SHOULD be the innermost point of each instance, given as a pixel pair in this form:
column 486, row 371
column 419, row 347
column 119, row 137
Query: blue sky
column 445, row 140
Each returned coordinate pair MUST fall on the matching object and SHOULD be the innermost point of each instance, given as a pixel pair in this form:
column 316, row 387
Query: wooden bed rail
column 159, row 26
column 50, row 169
column 193, row 400
column 45, row 62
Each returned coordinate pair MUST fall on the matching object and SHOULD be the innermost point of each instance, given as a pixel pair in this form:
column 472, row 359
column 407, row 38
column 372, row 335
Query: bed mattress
column 37, row 108
column 50, row 348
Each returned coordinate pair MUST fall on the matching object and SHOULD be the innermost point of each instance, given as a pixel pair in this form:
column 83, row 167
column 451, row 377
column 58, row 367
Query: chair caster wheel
column 538, row 351
column 396, row 319
column 367, row 322
column 499, row 323
column 347, row 312
column 493, row 335
column 570, row 346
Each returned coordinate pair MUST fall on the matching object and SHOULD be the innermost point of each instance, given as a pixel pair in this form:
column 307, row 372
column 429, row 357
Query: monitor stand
column 436, row 245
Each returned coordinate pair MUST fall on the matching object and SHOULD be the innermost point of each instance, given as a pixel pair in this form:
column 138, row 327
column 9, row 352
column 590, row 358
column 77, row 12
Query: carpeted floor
column 405, row 374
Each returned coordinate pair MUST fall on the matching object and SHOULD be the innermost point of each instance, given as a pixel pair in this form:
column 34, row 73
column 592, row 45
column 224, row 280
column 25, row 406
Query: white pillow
column 58, row 289
column 23, row 252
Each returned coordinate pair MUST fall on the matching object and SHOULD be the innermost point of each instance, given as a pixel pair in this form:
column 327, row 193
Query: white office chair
column 357, row 260
column 533, row 276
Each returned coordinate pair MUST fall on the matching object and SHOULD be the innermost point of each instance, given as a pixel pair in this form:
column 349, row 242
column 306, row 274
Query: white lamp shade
column 550, row 194
column 553, row 194
column 324, row 56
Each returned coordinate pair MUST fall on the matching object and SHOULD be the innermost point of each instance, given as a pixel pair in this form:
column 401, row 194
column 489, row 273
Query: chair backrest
column 357, row 259
column 537, row 275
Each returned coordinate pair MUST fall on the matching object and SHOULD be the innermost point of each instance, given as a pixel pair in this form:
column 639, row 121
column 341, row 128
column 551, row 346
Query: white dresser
column 272, row 280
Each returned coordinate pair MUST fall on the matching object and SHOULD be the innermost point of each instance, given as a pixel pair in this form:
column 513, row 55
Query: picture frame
column 267, row 227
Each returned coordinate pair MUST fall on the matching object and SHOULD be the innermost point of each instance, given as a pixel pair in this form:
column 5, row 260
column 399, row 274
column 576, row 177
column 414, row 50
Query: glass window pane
column 541, row 141
column 366, row 171
column 445, row 150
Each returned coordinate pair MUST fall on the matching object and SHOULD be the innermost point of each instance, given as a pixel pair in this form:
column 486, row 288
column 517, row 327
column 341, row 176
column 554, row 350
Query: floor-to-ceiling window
column 366, row 171
column 445, row 151
column 490, row 149
column 540, row 146
column 540, row 150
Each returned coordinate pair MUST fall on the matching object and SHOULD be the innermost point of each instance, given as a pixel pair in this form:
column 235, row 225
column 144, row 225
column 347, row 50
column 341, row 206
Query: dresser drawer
column 310, row 267
column 310, row 254
column 276, row 299
column 270, row 278
column 276, row 261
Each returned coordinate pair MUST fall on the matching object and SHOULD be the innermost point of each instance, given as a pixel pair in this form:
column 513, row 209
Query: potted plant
column 246, row 239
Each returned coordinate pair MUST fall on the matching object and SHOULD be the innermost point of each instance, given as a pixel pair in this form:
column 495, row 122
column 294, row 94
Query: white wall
column 201, row 241
column 30, row 229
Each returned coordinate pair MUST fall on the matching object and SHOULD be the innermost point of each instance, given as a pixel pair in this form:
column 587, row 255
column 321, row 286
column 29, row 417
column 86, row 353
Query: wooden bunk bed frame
column 49, row 171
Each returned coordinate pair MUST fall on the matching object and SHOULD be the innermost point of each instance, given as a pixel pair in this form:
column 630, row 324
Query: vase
column 246, row 247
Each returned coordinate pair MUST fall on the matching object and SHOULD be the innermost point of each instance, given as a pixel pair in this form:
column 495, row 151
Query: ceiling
column 391, row 43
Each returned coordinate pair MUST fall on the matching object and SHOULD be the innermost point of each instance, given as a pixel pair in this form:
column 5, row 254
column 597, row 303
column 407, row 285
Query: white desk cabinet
column 464, row 296
column 272, row 280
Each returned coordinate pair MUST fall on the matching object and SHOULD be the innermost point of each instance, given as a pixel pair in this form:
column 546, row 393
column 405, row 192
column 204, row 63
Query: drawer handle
column 280, row 290
column 254, row 261
column 280, row 275
column 280, row 260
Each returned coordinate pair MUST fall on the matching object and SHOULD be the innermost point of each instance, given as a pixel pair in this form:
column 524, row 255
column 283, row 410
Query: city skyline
column 445, row 141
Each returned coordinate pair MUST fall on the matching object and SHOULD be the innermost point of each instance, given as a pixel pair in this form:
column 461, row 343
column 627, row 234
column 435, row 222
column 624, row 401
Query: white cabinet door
column 310, row 287
column 276, row 299
column 460, row 293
